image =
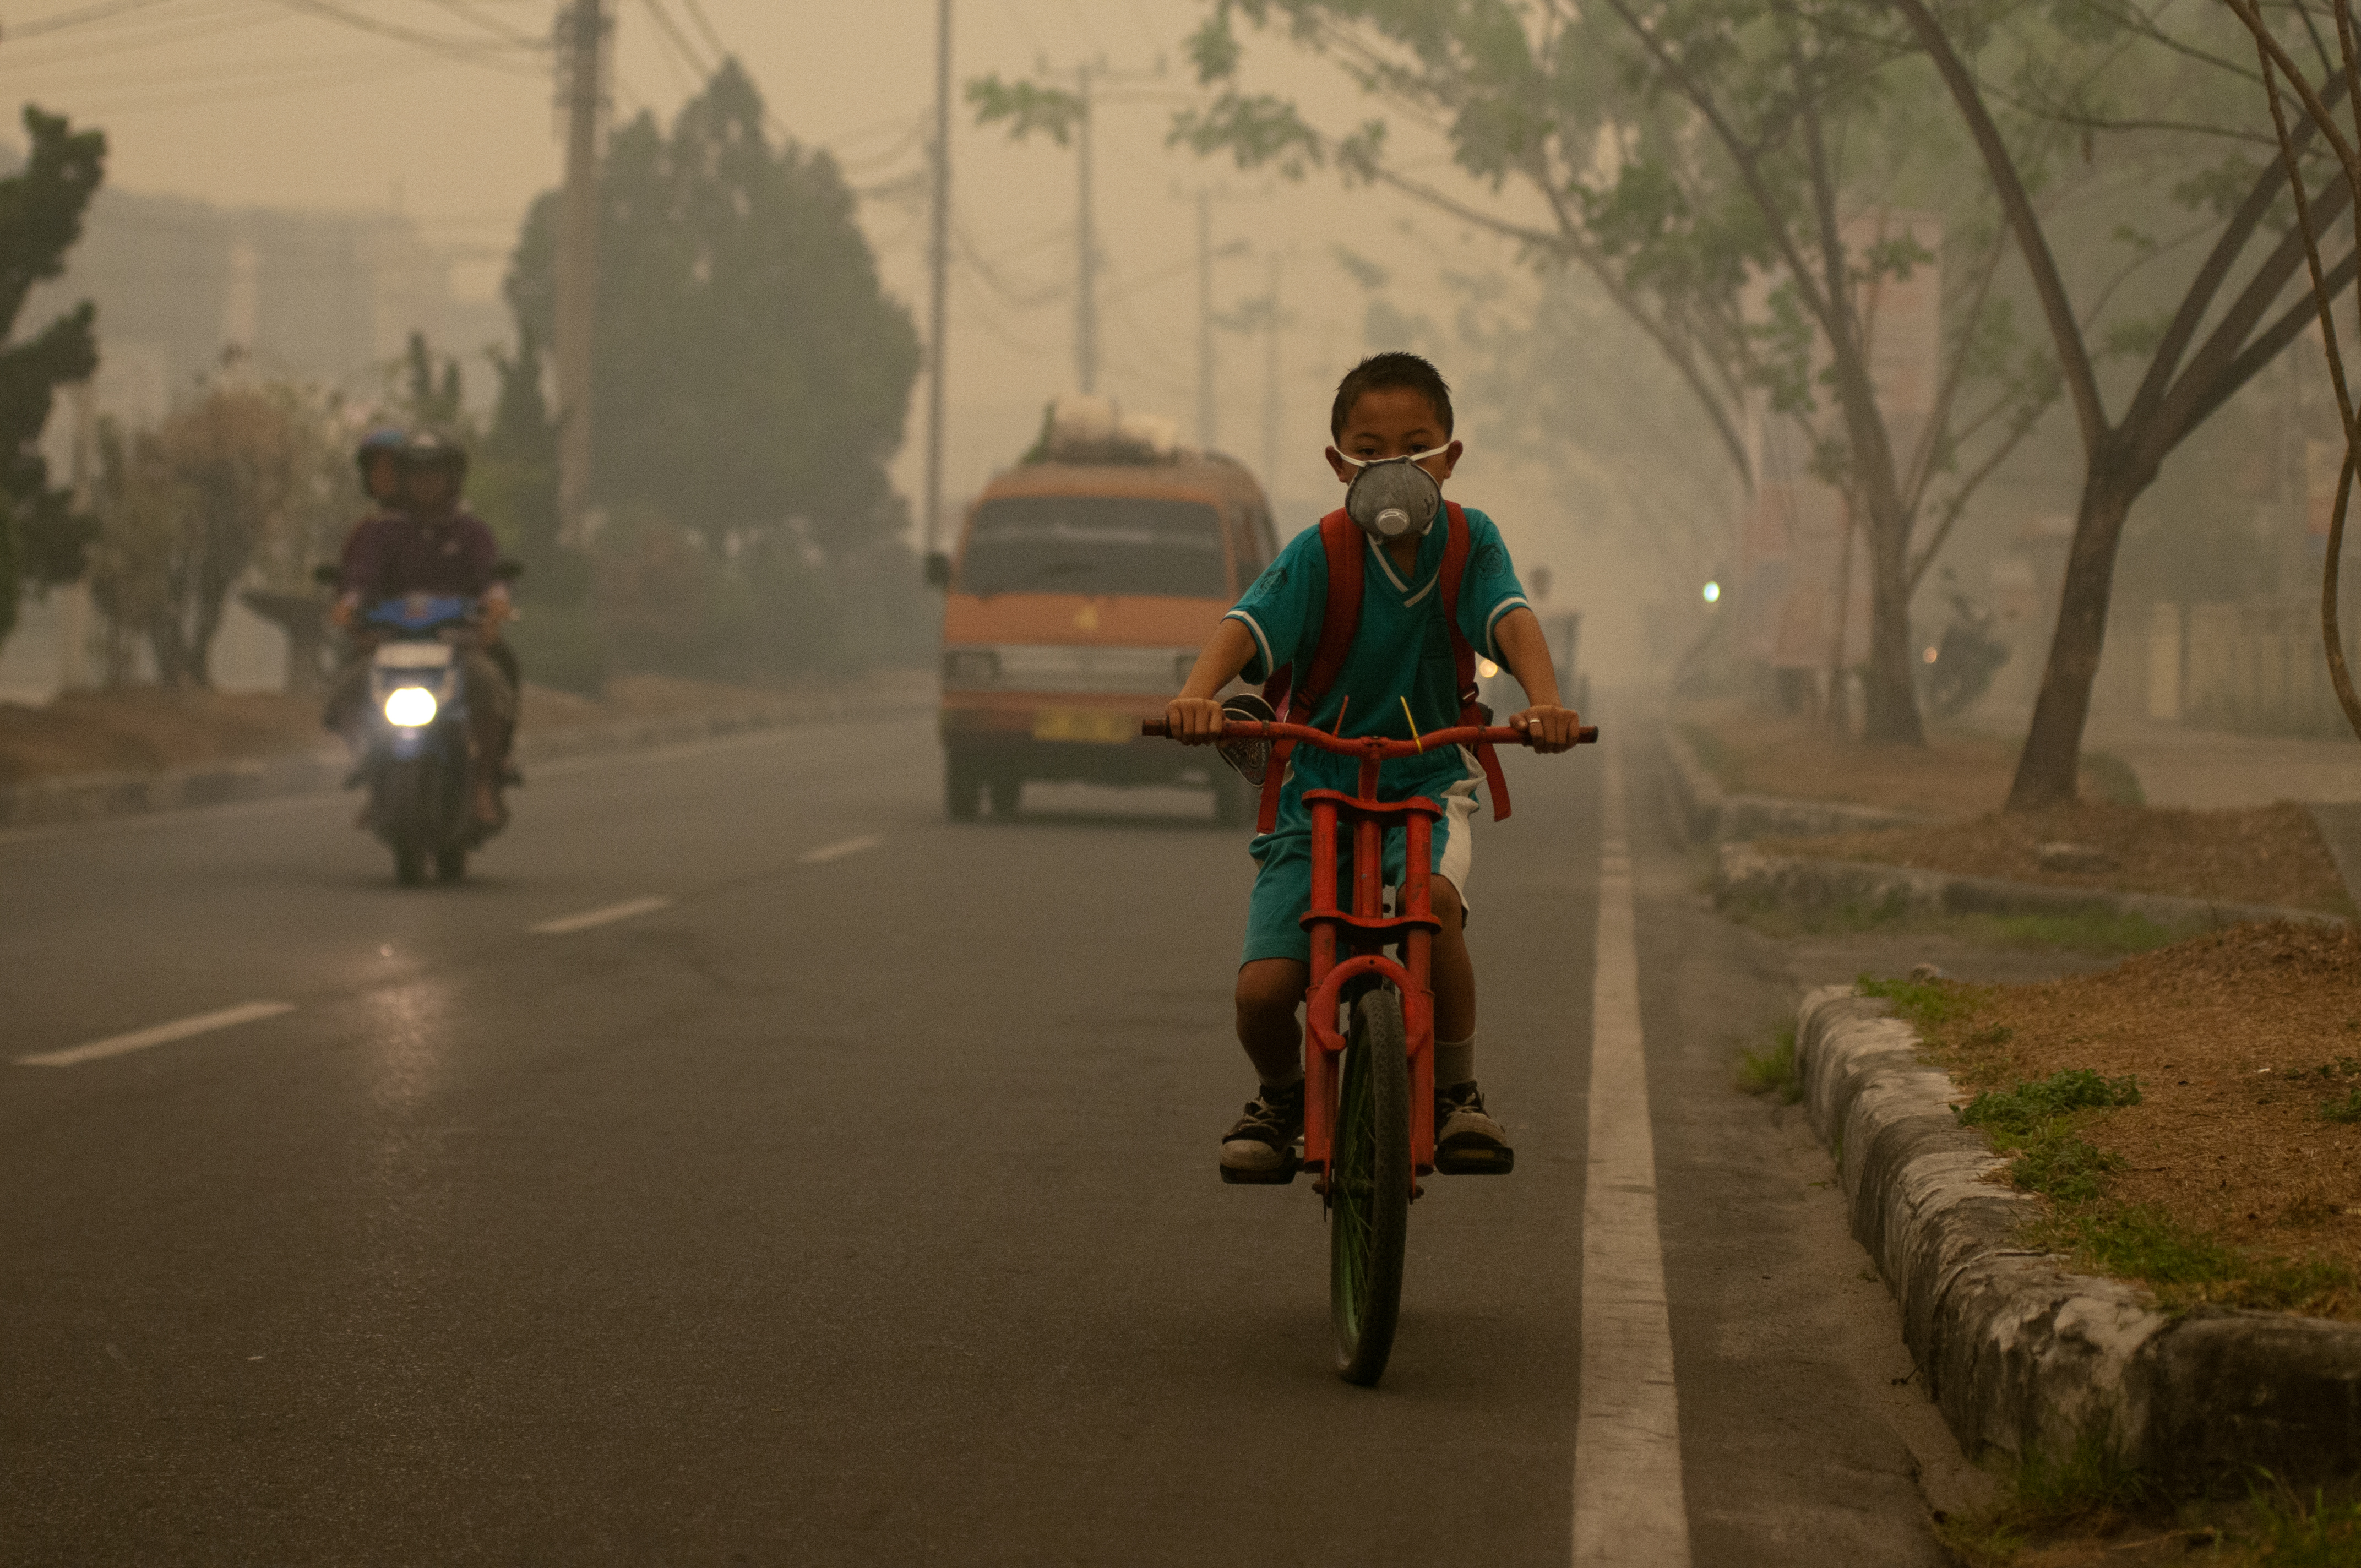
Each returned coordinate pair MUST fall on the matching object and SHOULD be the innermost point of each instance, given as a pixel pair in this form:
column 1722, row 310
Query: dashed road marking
column 159, row 1035
column 827, row 853
column 569, row 923
column 1630, row 1510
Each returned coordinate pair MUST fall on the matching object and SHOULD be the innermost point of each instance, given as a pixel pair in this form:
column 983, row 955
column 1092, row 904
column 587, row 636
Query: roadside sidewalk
column 2217, row 769
column 83, row 797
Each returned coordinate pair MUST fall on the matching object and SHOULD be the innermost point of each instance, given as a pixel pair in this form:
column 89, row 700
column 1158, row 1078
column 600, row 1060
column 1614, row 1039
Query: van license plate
column 1095, row 725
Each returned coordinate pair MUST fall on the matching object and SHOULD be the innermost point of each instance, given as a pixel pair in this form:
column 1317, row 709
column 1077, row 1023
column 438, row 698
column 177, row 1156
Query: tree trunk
column 1890, row 697
column 2047, row 768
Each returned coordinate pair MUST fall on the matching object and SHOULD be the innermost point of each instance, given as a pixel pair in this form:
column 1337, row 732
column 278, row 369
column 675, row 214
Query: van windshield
column 1095, row 544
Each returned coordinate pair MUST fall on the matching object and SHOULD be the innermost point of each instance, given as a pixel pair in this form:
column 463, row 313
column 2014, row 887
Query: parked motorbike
column 415, row 761
column 1960, row 667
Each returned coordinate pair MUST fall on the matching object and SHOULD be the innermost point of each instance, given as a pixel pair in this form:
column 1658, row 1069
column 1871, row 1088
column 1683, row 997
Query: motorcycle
column 1960, row 668
column 415, row 758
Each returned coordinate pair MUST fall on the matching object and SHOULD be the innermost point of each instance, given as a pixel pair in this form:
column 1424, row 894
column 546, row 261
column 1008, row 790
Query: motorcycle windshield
column 419, row 612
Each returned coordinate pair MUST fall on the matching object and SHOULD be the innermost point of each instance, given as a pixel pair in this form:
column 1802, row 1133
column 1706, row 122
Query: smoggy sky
column 278, row 103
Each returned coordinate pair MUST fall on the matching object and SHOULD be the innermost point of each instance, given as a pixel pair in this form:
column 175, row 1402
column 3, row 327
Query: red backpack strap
column 1341, row 540
column 1462, row 657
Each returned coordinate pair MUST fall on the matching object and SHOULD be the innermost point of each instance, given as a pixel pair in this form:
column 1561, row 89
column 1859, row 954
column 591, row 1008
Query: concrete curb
column 1746, row 874
column 89, row 797
column 1707, row 813
column 2019, row 1354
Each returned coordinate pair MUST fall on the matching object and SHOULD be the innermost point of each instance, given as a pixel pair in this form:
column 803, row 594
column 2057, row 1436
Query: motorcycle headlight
column 410, row 708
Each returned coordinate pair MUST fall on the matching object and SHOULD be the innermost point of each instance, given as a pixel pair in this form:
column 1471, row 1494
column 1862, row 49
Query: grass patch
column 1924, row 1003
column 1772, row 1070
column 2059, row 1165
column 2088, row 1510
column 2297, row 1532
column 2092, row 932
column 2346, row 1108
column 2025, row 1109
column 2186, row 1266
column 2089, row 1490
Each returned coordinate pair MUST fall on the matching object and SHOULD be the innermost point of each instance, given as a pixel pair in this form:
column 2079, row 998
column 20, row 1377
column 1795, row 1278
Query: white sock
column 1454, row 1062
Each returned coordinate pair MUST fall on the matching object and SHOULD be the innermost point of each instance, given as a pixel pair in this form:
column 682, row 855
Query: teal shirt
column 1400, row 650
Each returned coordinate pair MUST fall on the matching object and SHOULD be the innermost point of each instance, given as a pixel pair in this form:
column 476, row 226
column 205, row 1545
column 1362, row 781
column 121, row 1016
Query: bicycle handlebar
column 1382, row 746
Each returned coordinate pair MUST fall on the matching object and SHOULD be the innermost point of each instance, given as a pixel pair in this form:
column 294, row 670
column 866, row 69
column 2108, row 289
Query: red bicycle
column 1368, row 1097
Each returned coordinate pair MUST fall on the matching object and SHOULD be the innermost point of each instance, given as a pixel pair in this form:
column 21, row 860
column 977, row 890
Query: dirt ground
column 136, row 729
column 2271, row 855
column 1956, row 774
column 2240, row 1040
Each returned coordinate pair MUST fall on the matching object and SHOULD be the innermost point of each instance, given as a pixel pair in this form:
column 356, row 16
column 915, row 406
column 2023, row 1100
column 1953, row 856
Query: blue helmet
column 384, row 440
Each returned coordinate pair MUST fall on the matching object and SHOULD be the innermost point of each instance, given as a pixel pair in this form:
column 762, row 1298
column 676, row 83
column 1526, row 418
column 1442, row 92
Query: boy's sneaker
column 1261, row 1146
column 1468, row 1142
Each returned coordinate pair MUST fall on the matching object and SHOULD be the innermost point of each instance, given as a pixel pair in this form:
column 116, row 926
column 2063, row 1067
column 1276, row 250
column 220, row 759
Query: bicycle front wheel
column 1368, row 1189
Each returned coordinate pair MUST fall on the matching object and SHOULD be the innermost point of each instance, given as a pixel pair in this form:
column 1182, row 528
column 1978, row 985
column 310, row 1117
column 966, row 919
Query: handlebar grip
column 1587, row 736
column 1154, row 727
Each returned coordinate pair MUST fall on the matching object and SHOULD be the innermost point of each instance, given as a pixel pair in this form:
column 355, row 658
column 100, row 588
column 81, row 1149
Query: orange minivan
column 1086, row 580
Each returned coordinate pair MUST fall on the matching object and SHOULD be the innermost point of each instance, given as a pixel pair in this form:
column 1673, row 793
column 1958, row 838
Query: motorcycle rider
column 433, row 545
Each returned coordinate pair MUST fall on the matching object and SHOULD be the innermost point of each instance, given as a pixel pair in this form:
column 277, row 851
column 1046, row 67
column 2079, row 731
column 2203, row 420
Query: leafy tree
column 1701, row 160
column 234, row 480
column 42, row 539
column 431, row 394
column 2043, row 67
column 750, row 375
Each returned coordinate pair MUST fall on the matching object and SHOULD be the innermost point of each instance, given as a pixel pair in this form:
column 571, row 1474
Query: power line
column 461, row 50
column 696, row 14
column 59, row 20
column 677, row 60
column 493, row 25
column 163, row 34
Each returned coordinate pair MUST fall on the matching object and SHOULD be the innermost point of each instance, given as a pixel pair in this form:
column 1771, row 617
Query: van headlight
column 410, row 707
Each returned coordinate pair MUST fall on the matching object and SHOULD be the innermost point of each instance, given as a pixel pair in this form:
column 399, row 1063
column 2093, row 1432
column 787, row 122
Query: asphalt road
column 856, row 1205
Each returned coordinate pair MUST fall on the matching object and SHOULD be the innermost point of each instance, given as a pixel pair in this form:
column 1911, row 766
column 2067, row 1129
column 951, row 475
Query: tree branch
column 2073, row 354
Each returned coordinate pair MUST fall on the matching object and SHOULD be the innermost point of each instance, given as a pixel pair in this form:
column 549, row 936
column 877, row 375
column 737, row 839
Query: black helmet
column 433, row 449
column 383, row 441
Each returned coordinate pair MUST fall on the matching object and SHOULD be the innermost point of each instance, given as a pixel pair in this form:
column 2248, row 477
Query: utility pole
column 581, row 40
column 938, row 274
column 1205, row 319
column 1086, row 285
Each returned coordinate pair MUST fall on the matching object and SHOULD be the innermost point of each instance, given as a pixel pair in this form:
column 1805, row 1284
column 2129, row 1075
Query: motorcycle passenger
column 378, row 460
column 433, row 545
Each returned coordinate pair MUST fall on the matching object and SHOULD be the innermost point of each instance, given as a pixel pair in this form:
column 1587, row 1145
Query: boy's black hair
column 1381, row 371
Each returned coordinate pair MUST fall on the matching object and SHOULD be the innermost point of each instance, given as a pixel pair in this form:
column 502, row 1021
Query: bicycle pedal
column 1475, row 1162
column 1278, row 1177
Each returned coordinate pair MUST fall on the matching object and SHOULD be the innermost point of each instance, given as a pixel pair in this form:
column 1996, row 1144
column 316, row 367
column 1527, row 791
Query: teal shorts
column 1282, row 888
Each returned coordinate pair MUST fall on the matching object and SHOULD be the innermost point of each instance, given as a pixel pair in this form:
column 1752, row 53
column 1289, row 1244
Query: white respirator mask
column 1394, row 497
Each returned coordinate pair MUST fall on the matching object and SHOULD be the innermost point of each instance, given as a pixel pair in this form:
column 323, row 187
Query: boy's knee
column 1443, row 899
column 1271, row 988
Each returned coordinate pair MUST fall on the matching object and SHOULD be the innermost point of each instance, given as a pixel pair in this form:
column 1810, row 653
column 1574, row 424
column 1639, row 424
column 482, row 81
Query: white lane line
column 590, row 918
column 827, row 853
column 1629, row 1509
column 160, row 1034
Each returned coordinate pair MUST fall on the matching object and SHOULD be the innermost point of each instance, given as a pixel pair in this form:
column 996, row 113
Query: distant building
column 327, row 297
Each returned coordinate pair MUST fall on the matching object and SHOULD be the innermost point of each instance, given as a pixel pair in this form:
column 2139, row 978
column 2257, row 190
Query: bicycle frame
column 1360, row 934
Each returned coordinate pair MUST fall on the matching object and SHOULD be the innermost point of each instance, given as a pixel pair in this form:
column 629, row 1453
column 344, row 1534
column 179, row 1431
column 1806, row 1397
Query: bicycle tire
column 1368, row 1190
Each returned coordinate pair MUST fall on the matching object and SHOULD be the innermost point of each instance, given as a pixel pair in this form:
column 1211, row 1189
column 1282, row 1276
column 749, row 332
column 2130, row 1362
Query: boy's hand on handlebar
column 1552, row 728
column 1193, row 720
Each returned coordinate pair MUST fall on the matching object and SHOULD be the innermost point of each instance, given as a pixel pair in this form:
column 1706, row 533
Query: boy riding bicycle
column 1394, row 672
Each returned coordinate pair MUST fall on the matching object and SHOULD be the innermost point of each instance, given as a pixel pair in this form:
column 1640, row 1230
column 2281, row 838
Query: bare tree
column 2211, row 343
column 2310, row 220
